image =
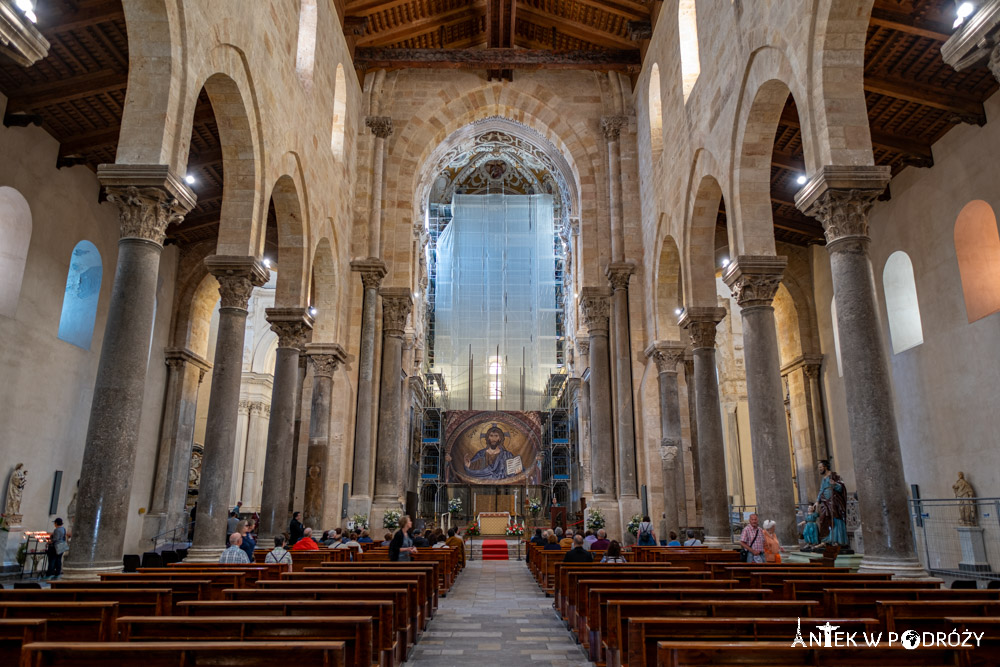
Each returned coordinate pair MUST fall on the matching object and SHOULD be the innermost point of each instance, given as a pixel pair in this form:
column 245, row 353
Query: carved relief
column 395, row 310
column 844, row 213
column 324, row 365
column 596, row 311
column 702, row 334
column 755, row 290
column 381, row 126
column 144, row 213
column 667, row 358
column 583, row 344
column 292, row 334
column 668, row 451
column 235, row 291
column 612, row 126
column 619, row 276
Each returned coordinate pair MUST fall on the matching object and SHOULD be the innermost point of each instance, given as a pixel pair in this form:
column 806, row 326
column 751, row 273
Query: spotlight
column 313, row 311
column 28, row 7
column 802, row 180
column 267, row 262
column 678, row 311
column 725, row 262
column 189, row 179
column 963, row 12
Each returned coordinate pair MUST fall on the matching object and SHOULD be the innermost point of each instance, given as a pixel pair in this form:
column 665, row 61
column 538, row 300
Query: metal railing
column 183, row 530
column 958, row 537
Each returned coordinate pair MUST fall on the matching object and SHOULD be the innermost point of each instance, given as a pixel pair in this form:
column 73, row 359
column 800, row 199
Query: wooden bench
column 776, row 580
column 644, row 632
column 182, row 654
column 855, row 601
column 568, row 576
column 987, row 653
column 813, row 589
column 920, row 615
column 68, row 621
column 256, row 571
column 721, row 568
column 428, row 591
column 144, row 601
column 196, row 589
column 303, row 559
column 695, row 560
column 220, row 581
column 692, row 654
column 433, row 570
column 575, row 597
column 354, row 631
column 15, row 632
column 742, row 571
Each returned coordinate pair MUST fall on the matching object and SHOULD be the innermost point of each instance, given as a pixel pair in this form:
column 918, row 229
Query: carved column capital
column 612, row 126
column 701, row 323
column 245, row 406
column 595, row 307
column 841, row 197
column 811, row 371
column 381, row 126
column 583, row 346
column 666, row 354
column 293, row 326
column 176, row 357
column 237, row 277
column 372, row 271
column 397, row 302
column 148, row 198
column 619, row 274
column 754, row 279
column 325, row 358
column 669, row 448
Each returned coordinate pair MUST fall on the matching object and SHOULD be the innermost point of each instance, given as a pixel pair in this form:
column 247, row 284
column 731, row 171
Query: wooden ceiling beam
column 812, row 230
column 635, row 11
column 884, row 17
column 966, row 110
column 575, row 29
column 369, row 7
column 371, row 58
column 787, row 161
column 50, row 93
column 53, row 22
column 430, row 23
column 917, row 149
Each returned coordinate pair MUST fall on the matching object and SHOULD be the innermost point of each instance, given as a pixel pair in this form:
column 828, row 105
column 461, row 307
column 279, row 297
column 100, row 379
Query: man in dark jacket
column 295, row 528
column 538, row 539
column 578, row 554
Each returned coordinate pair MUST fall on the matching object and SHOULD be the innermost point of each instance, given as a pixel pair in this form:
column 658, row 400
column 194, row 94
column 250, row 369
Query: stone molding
column 381, row 126
column 595, row 308
column 372, row 271
column 612, row 126
column 293, row 326
column 840, row 197
column 976, row 40
column 667, row 354
column 176, row 357
column 754, row 279
column 397, row 302
column 701, row 323
column 325, row 358
column 805, row 361
column 237, row 277
column 21, row 40
column 619, row 274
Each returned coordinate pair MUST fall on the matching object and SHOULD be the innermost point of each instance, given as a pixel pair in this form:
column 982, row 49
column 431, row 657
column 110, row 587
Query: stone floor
column 496, row 611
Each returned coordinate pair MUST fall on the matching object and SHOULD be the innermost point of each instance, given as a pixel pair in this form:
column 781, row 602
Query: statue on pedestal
column 966, row 507
column 832, row 505
column 15, row 489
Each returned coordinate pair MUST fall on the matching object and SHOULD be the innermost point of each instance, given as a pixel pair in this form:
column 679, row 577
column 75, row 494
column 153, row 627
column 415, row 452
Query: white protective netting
column 496, row 286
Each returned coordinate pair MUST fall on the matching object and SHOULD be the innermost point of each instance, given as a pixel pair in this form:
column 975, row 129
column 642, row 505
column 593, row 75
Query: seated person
column 601, row 543
column 234, row 554
column 553, row 544
column 307, row 543
column 538, row 539
column 673, row 540
column 387, row 540
column 279, row 554
column 365, row 537
column 420, row 540
column 691, row 540
column 567, row 541
column 614, row 554
column 578, row 554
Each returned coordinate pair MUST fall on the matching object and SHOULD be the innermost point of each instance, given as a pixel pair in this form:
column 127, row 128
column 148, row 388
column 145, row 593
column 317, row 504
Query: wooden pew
column 432, row 568
column 776, row 580
column 575, row 599
column 219, row 580
column 422, row 572
column 813, row 589
column 303, row 559
column 692, row 558
column 15, row 632
column 854, row 601
column 720, row 568
column 255, row 572
column 182, row 654
column 68, row 621
column 354, row 631
column 196, row 589
column 920, row 615
column 742, row 571
column 644, row 632
column 692, row 654
column 987, row 653
column 145, row 601
column 383, row 626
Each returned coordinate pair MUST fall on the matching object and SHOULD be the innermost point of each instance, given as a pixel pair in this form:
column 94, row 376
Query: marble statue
column 966, row 506
column 15, row 488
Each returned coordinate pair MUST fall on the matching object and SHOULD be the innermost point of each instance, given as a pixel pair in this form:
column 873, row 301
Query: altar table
column 493, row 523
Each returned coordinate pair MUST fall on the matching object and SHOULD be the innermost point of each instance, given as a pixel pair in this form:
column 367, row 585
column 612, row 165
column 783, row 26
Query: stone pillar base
column 204, row 554
column 900, row 568
column 628, row 506
column 361, row 505
column 612, row 515
column 88, row 573
column 378, row 507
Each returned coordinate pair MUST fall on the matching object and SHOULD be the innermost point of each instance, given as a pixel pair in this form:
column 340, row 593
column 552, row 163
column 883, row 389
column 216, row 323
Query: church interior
column 498, row 265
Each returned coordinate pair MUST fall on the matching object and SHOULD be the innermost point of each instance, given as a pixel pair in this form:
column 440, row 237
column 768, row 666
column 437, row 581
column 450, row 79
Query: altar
column 493, row 523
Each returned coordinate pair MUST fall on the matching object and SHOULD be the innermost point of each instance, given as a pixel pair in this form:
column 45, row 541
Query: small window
column 977, row 247
column 15, row 236
column 305, row 54
column 83, row 288
column 495, row 381
column 687, row 27
column 655, row 113
column 905, row 329
column 339, row 113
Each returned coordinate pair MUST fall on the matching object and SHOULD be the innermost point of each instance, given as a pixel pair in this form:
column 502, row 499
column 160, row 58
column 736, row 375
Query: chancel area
column 445, row 301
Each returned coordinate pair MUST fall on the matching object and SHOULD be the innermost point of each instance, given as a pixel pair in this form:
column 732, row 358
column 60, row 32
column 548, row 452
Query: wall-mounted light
column 189, row 179
column 313, row 311
column 28, row 8
column 802, row 180
column 962, row 12
column 725, row 262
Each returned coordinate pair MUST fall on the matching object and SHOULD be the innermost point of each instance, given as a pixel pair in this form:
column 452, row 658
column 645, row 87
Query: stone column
column 612, row 128
column 293, row 326
column 185, row 371
column 303, row 370
column 396, row 306
column 671, row 507
column 754, row 280
column 667, row 354
column 252, row 487
column 840, row 197
column 583, row 346
column 237, row 277
column 324, row 358
column 148, row 198
column 595, row 306
column 381, row 127
column 372, row 272
column 806, row 438
column 693, row 431
column 701, row 323
column 628, row 490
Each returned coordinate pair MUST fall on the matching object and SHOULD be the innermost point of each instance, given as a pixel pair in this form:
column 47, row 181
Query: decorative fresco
column 488, row 447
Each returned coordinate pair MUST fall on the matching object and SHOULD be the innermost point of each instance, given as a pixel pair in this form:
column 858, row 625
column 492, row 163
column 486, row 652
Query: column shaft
column 693, row 431
column 612, row 127
column 324, row 358
column 303, row 364
column 619, row 275
column 666, row 355
column 381, row 127
column 372, row 271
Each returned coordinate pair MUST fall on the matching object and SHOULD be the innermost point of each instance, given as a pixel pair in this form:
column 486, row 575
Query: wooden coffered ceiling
column 77, row 92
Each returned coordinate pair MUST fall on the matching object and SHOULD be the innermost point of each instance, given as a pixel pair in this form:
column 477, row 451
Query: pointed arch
column 83, row 290
column 15, row 236
column 339, row 129
column 905, row 330
column 977, row 247
column 687, row 28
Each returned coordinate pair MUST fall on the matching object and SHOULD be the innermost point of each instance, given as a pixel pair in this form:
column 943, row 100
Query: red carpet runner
column 494, row 550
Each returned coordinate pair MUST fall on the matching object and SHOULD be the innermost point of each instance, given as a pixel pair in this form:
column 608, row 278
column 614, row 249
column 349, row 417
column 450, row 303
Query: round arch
column 292, row 211
column 668, row 290
column 698, row 254
column 325, row 287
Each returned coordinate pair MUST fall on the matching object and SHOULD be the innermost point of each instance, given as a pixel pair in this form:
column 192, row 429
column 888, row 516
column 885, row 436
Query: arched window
column 339, row 113
column 83, row 288
column 905, row 329
column 977, row 246
column 836, row 335
column 655, row 113
column 687, row 28
column 15, row 234
column 305, row 53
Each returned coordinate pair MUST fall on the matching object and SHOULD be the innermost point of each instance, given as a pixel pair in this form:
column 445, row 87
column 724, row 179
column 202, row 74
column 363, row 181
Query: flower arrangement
column 455, row 505
column 390, row 520
column 472, row 529
column 534, row 506
column 595, row 519
column 515, row 529
column 633, row 524
column 360, row 521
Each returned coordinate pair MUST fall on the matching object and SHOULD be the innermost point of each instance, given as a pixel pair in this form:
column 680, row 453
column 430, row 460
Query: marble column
column 806, row 439
column 324, row 359
column 754, row 280
column 628, row 490
column 237, row 277
column 701, row 323
column 817, row 421
column 612, row 128
column 693, row 437
column 595, row 306
column 293, row 327
column 148, row 198
column 671, row 506
column 840, row 197
column 251, row 489
column 667, row 354
column 583, row 346
column 303, row 371
column 396, row 305
column 185, row 371
column 381, row 127
column 372, row 272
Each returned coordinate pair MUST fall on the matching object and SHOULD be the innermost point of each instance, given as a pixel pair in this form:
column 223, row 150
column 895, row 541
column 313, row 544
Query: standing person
column 57, row 547
column 295, row 528
column 772, row 546
column 246, row 532
column 232, row 524
column 614, row 554
column 234, row 554
column 401, row 548
column 647, row 538
column 752, row 541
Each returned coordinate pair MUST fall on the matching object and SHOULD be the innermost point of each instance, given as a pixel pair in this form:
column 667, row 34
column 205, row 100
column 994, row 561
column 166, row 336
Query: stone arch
column 324, row 288
column 291, row 209
column 339, row 130
column 668, row 290
column 786, row 322
column 265, row 354
column 15, row 236
column 802, row 300
column 698, row 254
column 203, row 301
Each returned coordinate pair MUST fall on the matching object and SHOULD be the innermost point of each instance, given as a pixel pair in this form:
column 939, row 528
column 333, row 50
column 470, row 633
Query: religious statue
column 490, row 462
column 15, row 489
column 832, row 505
column 966, row 506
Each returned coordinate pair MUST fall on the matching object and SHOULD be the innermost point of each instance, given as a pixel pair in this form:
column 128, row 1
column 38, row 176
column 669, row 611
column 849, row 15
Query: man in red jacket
column 307, row 543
